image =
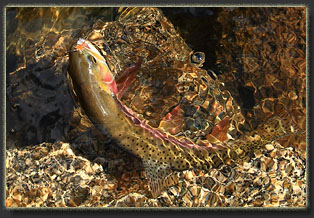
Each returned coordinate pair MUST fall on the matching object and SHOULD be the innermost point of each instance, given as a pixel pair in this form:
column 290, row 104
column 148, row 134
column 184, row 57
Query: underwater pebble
column 194, row 191
column 187, row 198
column 209, row 183
column 214, row 188
column 269, row 147
column 174, row 190
column 189, row 175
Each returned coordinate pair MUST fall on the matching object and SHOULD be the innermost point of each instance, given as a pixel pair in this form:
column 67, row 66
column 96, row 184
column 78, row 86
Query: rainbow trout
column 162, row 154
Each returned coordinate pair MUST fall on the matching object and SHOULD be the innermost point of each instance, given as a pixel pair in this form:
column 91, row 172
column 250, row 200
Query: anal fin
column 160, row 176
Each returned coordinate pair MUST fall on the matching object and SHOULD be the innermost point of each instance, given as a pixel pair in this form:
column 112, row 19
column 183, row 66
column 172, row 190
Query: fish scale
column 161, row 153
column 160, row 157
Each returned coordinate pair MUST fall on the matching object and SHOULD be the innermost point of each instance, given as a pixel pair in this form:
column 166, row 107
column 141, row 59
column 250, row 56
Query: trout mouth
column 83, row 43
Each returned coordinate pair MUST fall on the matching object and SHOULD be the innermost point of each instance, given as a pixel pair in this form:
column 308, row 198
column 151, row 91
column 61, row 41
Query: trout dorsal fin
column 159, row 175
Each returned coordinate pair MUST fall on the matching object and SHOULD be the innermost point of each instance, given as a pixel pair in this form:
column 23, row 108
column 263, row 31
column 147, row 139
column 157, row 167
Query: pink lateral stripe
column 157, row 133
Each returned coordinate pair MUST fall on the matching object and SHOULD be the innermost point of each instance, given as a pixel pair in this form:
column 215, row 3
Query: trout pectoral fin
column 160, row 176
column 221, row 129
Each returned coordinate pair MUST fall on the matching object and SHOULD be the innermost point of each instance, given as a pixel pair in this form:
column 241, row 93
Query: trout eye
column 92, row 59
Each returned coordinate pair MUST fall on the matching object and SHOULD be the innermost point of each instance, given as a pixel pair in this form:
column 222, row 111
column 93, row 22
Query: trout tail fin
column 160, row 176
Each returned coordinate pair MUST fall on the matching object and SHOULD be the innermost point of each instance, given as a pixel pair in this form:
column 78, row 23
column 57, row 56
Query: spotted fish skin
column 92, row 82
column 162, row 154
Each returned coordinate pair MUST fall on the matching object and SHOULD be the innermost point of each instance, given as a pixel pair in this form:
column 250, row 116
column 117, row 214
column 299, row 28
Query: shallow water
column 267, row 61
column 257, row 53
column 39, row 103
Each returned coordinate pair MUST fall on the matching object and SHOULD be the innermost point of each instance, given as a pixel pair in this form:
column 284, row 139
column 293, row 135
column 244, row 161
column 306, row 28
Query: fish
column 162, row 154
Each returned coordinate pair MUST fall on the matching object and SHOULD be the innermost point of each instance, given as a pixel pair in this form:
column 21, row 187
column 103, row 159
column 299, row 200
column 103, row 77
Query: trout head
column 85, row 57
